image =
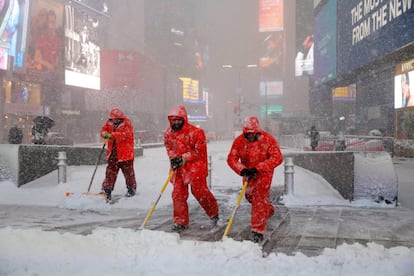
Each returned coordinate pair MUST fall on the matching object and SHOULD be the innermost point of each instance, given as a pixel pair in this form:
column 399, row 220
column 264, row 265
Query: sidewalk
column 307, row 229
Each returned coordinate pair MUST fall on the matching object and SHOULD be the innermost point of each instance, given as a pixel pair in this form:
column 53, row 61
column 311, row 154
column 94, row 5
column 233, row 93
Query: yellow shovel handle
column 156, row 202
column 230, row 223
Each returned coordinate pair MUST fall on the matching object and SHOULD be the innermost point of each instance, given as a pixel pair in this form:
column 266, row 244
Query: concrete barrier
column 26, row 163
column 355, row 175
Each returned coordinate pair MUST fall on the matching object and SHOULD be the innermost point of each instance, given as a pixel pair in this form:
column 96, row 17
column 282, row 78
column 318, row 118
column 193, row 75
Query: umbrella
column 43, row 122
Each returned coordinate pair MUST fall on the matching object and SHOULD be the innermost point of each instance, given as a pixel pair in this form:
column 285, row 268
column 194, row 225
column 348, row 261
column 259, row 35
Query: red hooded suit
column 190, row 143
column 120, row 153
column 264, row 155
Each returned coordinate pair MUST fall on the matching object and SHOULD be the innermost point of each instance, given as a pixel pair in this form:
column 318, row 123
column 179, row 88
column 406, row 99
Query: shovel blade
column 88, row 194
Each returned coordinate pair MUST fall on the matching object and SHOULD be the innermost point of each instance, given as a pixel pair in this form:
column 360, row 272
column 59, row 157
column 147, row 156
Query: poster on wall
column 44, row 38
column 404, row 85
column 82, row 51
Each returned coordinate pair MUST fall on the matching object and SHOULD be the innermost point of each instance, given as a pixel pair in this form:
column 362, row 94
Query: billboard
column 195, row 102
column 272, row 60
column 271, row 89
column 325, row 43
column 371, row 29
column 270, row 15
column 344, row 93
column 82, row 51
column 13, row 24
column 44, row 38
column 404, row 84
column 304, row 38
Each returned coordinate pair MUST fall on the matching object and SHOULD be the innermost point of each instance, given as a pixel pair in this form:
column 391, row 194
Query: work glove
column 107, row 135
column 177, row 162
column 244, row 172
column 253, row 172
column 249, row 172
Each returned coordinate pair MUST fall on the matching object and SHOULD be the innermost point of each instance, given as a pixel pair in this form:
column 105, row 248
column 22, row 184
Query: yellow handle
column 230, row 223
column 156, row 202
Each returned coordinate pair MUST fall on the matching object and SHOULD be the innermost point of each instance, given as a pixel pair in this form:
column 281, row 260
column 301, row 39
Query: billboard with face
column 44, row 39
column 82, row 50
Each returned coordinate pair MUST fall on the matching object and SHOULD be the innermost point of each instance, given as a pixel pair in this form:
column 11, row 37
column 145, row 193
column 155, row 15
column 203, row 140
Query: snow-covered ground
column 28, row 250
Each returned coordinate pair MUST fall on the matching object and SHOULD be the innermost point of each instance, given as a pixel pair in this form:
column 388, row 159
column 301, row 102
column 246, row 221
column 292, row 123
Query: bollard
column 289, row 173
column 62, row 165
column 209, row 172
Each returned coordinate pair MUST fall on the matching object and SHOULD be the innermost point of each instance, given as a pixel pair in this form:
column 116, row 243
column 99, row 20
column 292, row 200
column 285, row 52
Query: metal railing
column 339, row 143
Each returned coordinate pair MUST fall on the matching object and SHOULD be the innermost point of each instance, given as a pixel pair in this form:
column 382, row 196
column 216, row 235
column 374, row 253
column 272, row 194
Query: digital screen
column 82, row 51
column 270, row 15
column 404, row 90
column 325, row 43
column 45, row 37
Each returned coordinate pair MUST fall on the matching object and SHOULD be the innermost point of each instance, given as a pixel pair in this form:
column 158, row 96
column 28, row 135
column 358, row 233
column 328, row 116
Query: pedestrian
column 254, row 155
column 186, row 148
column 314, row 136
column 15, row 135
column 119, row 131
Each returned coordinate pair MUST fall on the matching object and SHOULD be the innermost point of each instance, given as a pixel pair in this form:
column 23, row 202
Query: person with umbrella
column 41, row 127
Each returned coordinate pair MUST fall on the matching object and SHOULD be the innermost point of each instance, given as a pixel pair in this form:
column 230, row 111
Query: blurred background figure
column 15, row 135
column 314, row 137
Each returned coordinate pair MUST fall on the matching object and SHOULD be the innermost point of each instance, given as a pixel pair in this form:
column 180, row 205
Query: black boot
column 130, row 193
column 257, row 237
column 178, row 227
column 108, row 195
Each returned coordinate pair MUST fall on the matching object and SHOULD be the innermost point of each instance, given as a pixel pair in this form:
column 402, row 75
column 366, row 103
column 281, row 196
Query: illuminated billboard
column 271, row 61
column 271, row 89
column 13, row 17
column 195, row 102
column 371, row 29
column 82, row 51
column 44, row 38
column 304, row 38
column 325, row 43
column 270, row 15
column 344, row 93
column 190, row 90
column 404, row 85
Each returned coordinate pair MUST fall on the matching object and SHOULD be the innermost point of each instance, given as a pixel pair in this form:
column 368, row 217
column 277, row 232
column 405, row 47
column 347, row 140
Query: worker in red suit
column 187, row 150
column 254, row 155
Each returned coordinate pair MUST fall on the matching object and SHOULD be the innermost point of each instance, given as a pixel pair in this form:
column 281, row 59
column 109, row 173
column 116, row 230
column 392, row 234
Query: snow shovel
column 156, row 202
column 93, row 176
column 230, row 223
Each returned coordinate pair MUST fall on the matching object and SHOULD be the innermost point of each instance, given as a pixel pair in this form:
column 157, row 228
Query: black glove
column 177, row 162
column 244, row 172
column 253, row 172
column 249, row 172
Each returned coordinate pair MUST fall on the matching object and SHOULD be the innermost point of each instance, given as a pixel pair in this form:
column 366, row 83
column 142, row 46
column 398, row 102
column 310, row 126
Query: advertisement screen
column 370, row 29
column 325, row 43
column 271, row 89
column 270, row 15
column 13, row 13
column 82, row 51
column 404, row 85
column 44, row 38
column 344, row 94
column 304, row 38
column 271, row 61
column 190, row 90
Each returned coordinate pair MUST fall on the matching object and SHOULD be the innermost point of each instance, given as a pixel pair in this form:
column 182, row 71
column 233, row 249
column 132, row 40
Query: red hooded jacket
column 263, row 154
column 190, row 143
column 123, row 136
